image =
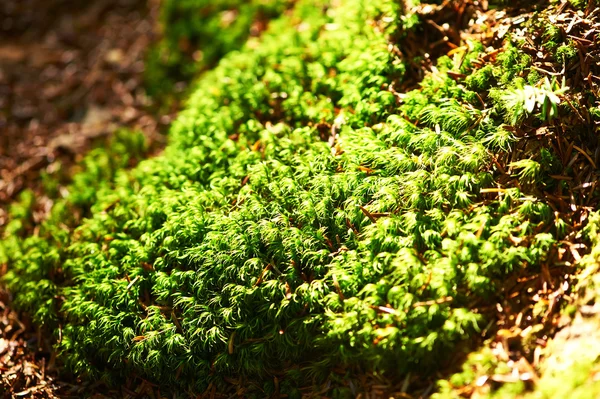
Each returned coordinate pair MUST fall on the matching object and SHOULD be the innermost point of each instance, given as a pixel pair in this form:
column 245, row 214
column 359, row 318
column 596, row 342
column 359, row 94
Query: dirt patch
column 25, row 368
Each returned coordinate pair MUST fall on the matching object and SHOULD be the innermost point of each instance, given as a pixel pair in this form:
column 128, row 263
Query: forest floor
column 66, row 83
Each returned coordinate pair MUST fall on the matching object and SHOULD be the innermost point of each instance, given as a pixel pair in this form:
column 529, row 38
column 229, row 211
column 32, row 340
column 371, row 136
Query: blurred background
column 71, row 72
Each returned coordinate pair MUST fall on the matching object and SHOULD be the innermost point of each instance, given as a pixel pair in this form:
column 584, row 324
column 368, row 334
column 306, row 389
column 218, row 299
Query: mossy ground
column 310, row 215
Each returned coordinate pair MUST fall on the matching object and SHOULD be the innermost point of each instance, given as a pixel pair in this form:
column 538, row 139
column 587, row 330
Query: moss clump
column 582, row 4
column 197, row 33
column 36, row 282
column 304, row 215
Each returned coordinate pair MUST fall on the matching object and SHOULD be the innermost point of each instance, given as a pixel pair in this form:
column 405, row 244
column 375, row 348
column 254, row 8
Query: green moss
column 580, row 4
column 514, row 63
column 565, row 53
column 197, row 33
column 38, row 257
column 303, row 216
column 534, row 77
column 481, row 79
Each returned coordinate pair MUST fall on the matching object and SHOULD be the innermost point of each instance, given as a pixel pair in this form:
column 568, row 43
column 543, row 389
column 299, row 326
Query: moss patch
column 305, row 215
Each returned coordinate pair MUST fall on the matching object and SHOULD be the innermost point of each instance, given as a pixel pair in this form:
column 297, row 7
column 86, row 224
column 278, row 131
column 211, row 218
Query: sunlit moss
column 303, row 216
